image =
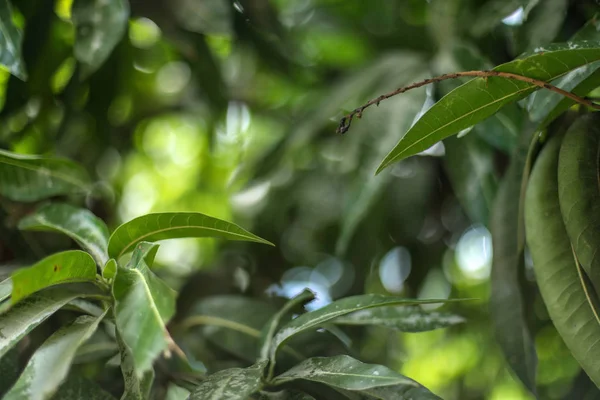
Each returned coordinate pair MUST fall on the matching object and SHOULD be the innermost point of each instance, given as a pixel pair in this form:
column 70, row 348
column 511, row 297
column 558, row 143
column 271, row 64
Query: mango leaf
column 480, row 98
column 89, row 231
column 5, row 289
column 271, row 327
column 559, row 278
column 10, row 42
column 334, row 310
column 143, row 303
column 542, row 25
column 9, row 370
column 160, row 226
column 110, row 269
column 99, row 27
column 346, row 373
column 231, row 384
column 19, row 320
column 579, row 194
column 76, row 387
column 507, row 302
column 403, row 319
column 492, row 13
column 283, row 395
column 50, row 364
column 137, row 385
column 64, row 267
column 32, row 178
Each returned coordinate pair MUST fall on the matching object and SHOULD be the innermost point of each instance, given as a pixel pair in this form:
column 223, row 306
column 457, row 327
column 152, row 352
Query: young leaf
column 110, row 269
column 160, row 226
column 29, row 313
column 76, row 387
column 64, row 267
column 271, row 327
column 50, row 364
column 231, row 384
column 99, row 27
column 10, row 42
column 403, row 319
column 507, row 303
column 479, row 98
column 32, row 178
column 143, row 303
column 579, row 194
column 79, row 224
column 334, row 310
column 346, row 373
column 557, row 273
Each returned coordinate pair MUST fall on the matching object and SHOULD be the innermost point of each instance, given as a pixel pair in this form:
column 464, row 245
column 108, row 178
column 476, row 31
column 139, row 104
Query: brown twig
column 347, row 120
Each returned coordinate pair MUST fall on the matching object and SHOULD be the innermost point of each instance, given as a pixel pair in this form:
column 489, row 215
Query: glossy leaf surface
column 79, row 224
column 160, row 226
column 231, row 384
column 64, row 267
column 10, row 42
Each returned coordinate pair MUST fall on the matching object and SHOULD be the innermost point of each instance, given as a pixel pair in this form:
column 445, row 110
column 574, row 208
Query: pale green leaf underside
column 480, row 98
column 161, row 226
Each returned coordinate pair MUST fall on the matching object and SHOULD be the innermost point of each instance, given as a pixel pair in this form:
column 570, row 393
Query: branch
column 347, row 120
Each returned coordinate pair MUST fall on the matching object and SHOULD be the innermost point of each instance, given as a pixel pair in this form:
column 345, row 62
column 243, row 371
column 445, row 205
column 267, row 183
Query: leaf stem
column 346, row 121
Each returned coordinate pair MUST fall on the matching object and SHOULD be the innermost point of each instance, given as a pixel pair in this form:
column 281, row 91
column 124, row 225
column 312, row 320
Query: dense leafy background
column 229, row 109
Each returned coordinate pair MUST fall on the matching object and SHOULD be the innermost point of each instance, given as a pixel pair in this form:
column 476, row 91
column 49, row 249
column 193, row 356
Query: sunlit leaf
column 50, row 364
column 79, row 224
column 99, row 27
column 232, row 384
column 143, row 303
column 32, row 178
column 10, row 42
column 346, row 373
column 160, row 226
column 480, row 98
column 76, row 387
column 64, row 267
column 404, row 319
column 110, row 269
column 29, row 313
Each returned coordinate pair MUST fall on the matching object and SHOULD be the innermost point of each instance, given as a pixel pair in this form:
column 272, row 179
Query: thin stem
column 347, row 120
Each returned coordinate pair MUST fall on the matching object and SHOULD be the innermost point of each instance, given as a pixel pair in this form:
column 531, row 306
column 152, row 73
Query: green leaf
column 557, row 273
column 480, row 98
column 283, row 395
column 143, row 303
column 403, row 319
column 29, row 313
column 579, row 194
column 5, row 289
column 10, row 42
column 507, row 302
column 9, row 370
column 32, row 178
column 110, row 269
column 492, row 13
column 470, row 166
column 137, row 385
column 49, row 365
column 271, row 327
column 346, row 373
column 542, row 25
column 231, row 384
column 334, row 310
column 89, row 231
column 76, row 387
column 99, row 27
column 64, row 267
column 160, row 226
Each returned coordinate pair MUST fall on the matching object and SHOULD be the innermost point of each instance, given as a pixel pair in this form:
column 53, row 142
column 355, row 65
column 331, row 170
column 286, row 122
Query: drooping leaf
column 76, row 387
column 348, row 374
column 579, row 194
column 99, row 26
column 160, row 226
column 50, row 364
column 10, row 42
column 143, row 303
column 20, row 319
column 507, row 296
column 480, row 98
column 64, row 267
column 231, row 384
column 337, row 309
column 404, row 319
column 137, row 384
column 79, row 224
column 271, row 327
column 32, row 178
column 557, row 273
